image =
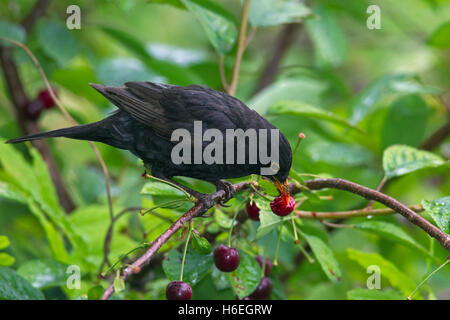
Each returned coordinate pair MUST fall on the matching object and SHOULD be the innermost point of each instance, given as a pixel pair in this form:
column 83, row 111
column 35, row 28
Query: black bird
column 147, row 115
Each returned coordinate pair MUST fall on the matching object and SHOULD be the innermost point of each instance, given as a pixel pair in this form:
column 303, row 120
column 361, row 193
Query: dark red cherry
column 46, row 99
column 281, row 207
column 226, row 259
column 33, row 109
column 263, row 290
column 252, row 210
column 268, row 266
column 178, row 290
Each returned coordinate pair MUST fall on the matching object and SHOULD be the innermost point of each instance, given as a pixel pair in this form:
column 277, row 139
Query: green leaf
column 327, row 36
column 32, row 183
column 15, row 287
column 4, row 242
column 117, row 71
column 156, row 188
column 96, row 292
column 246, row 277
column 175, row 3
column 268, row 187
column 324, row 255
column 201, row 245
column 196, row 266
column 44, row 273
column 338, row 154
column 6, row 260
column 92, row 224
column 165, row 70
column 11, row 31
column 439, row 210
column 54, row 238
column 440, row 38
column 405, row 112
column 297, row 108
column 368, row 101
column 264, row 13
column 368, row 294
column 296, row 176
column 397, row 278
column 11, row 192
column 268, row 220
column 220, row 30
column 222, row 219
column 48, row 199
column 399, row 160
column 57, row 41
column 305, row 89
column 392, row 232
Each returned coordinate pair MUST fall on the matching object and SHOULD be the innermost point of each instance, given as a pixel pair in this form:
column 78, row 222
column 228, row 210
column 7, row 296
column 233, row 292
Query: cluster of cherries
column 227, row 259
column 32, row 110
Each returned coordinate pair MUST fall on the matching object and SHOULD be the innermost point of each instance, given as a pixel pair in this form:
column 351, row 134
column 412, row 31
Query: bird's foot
column 206, row 199
column 226, row 187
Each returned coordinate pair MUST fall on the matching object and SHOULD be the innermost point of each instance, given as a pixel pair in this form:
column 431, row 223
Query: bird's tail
column 82, row 132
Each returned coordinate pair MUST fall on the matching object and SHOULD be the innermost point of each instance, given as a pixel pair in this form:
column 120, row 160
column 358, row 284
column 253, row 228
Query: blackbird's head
column 281, row 178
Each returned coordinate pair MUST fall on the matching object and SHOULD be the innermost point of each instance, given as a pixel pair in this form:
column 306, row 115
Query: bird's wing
column 165, row 108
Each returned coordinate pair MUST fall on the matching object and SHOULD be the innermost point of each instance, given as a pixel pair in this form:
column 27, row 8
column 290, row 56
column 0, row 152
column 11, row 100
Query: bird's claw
column 206, row 199
column 226, row 187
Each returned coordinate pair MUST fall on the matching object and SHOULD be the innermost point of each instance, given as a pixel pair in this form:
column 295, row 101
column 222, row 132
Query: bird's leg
column 202, row 197
column 225, row 186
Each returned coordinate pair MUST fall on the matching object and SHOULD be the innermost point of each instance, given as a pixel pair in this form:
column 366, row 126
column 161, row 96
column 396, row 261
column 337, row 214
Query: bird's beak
column 284, row 190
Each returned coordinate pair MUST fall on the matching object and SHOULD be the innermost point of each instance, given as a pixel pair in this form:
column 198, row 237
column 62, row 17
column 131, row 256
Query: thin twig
column 350, row 213
column 223, row 76
column 241, row 49
column 108, row 237
column 437, row 137
column 379, row 188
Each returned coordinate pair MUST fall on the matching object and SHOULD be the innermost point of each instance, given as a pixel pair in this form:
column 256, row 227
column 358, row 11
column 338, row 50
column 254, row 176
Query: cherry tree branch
column 317, row 184
column 389, row 202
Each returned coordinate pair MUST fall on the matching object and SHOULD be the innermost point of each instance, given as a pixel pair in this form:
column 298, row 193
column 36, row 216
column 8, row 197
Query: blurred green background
column 311, row 67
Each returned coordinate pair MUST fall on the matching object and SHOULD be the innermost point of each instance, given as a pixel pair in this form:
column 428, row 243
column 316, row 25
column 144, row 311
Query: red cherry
column 280, row 207
column 178, row 290
column 33, row 109
column 268, row 266
column 46, row 99
column 252, row 210
column 226, row 259
column 263, row 290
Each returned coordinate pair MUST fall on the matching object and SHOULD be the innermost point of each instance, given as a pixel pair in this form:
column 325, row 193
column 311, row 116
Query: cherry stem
column 294, row 228
column 301, row 136
column 232, row 225
column 275, row 259
column 185, row 250
column 447, row 260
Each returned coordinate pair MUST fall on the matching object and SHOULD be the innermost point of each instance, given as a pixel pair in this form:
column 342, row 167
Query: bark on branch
column 318, row 184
